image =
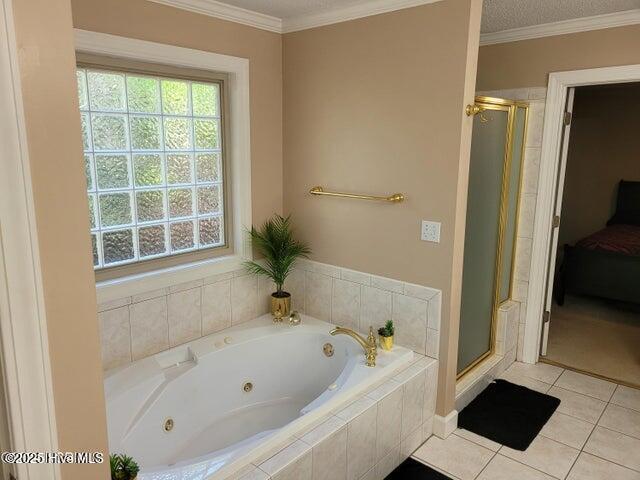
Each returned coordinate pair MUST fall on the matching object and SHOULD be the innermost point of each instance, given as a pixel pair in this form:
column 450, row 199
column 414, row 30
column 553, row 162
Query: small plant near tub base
column 386, row 335
column 123, row 467
column 275, row 241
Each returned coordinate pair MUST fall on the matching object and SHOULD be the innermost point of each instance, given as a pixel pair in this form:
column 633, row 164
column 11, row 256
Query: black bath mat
column 411, row 469
column 509, row 414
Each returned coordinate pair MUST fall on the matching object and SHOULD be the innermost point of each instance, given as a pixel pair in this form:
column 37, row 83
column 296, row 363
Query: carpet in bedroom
column 596, row 336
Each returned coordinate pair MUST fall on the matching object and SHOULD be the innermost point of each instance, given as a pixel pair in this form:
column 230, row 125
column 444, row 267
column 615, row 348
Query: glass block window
column 153, row 164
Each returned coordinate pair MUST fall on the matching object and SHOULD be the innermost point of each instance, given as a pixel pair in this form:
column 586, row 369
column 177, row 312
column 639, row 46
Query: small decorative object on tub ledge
column 123, row 467
column 386, row 335
column 294, row 318
column 368, row 345
column 274, row 240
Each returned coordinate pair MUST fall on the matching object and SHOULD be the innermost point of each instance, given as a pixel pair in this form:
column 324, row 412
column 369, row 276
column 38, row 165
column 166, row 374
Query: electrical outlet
column 430, row 231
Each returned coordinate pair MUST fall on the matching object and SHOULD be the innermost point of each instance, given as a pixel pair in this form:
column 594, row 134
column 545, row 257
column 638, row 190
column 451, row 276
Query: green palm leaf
column 275, row 241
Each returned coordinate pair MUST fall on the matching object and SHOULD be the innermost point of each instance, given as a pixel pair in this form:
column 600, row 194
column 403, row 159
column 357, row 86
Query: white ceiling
column 498, row 15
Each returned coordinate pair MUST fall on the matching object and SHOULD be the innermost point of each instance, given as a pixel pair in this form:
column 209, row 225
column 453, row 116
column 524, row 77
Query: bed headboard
column 628, row 204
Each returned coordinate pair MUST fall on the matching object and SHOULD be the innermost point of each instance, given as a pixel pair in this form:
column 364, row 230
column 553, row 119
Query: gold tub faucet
column 368, row 345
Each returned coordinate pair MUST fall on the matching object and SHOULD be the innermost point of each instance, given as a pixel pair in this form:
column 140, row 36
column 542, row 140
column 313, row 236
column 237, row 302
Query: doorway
column 595, row 296
column 550, row 269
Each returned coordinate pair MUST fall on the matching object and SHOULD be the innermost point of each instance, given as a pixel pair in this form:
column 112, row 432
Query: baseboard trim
column 445, row 426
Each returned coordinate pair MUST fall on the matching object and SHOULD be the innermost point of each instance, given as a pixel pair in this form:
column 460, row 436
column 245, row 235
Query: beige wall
column 47, row 71
column 527, row 63
column 173, row 26
column 373, row 105
column 604, row 148
column 376, row 106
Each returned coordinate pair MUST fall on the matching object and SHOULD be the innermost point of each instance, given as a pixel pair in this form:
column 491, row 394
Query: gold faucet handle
column 371, row 338
column 372, row 350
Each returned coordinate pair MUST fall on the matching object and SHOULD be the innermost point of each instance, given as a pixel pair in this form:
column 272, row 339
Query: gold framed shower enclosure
column 499, row 282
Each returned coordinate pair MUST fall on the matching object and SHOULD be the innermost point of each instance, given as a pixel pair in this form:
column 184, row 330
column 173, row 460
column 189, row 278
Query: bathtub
column 207, row 408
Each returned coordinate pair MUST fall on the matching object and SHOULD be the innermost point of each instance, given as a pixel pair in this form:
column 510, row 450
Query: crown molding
column 597, row 22
column 344, row 14
column 231, row 13
column 214, row 8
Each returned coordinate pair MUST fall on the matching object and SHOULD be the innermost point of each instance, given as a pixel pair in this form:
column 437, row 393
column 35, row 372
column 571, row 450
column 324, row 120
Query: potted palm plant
column 123, row 467
column 276, row 243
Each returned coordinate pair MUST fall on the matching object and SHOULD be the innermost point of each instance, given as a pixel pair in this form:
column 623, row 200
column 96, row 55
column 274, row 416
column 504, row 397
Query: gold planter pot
column 280, row 305
column 386, row 342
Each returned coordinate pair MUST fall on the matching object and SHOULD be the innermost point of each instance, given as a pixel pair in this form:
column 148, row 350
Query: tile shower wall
column 364, row 441
column 535, row 96
column 141, row 325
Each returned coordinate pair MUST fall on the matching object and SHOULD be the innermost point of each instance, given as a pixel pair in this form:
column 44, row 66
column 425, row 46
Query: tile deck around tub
column 594, row 435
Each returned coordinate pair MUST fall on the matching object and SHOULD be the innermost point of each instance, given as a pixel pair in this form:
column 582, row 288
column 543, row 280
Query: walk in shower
column 495, row 173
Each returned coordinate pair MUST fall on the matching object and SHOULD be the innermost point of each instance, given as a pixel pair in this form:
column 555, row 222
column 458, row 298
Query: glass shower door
column 495, row 171
column 482, row 235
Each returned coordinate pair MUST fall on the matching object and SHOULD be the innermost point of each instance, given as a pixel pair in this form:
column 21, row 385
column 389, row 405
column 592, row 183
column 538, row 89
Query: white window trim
column 238, row 154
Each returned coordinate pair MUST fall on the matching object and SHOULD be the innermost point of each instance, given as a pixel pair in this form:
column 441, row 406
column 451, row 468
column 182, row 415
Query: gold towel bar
column 395, row 198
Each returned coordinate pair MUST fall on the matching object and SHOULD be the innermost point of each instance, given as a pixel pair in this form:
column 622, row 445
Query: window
column 153, row 151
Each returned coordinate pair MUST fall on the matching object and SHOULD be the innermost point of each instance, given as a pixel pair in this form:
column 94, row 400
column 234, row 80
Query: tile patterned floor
column 594, row 435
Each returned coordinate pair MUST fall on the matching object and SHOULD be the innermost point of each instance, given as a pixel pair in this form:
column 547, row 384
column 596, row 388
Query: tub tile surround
column 149, row 327
column 216, row 307
column 136, row 327
column 184, row 316
column 366, row 439
column 536, row 97
column 358, row 300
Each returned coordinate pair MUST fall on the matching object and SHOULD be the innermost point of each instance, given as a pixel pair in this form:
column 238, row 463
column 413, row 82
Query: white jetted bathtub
column 205, row 409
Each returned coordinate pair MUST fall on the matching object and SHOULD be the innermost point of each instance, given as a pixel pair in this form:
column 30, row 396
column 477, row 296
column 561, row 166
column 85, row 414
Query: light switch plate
column 430, row 231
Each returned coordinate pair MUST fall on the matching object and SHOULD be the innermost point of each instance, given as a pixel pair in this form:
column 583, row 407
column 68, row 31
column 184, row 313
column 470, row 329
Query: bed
column 606, row 264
